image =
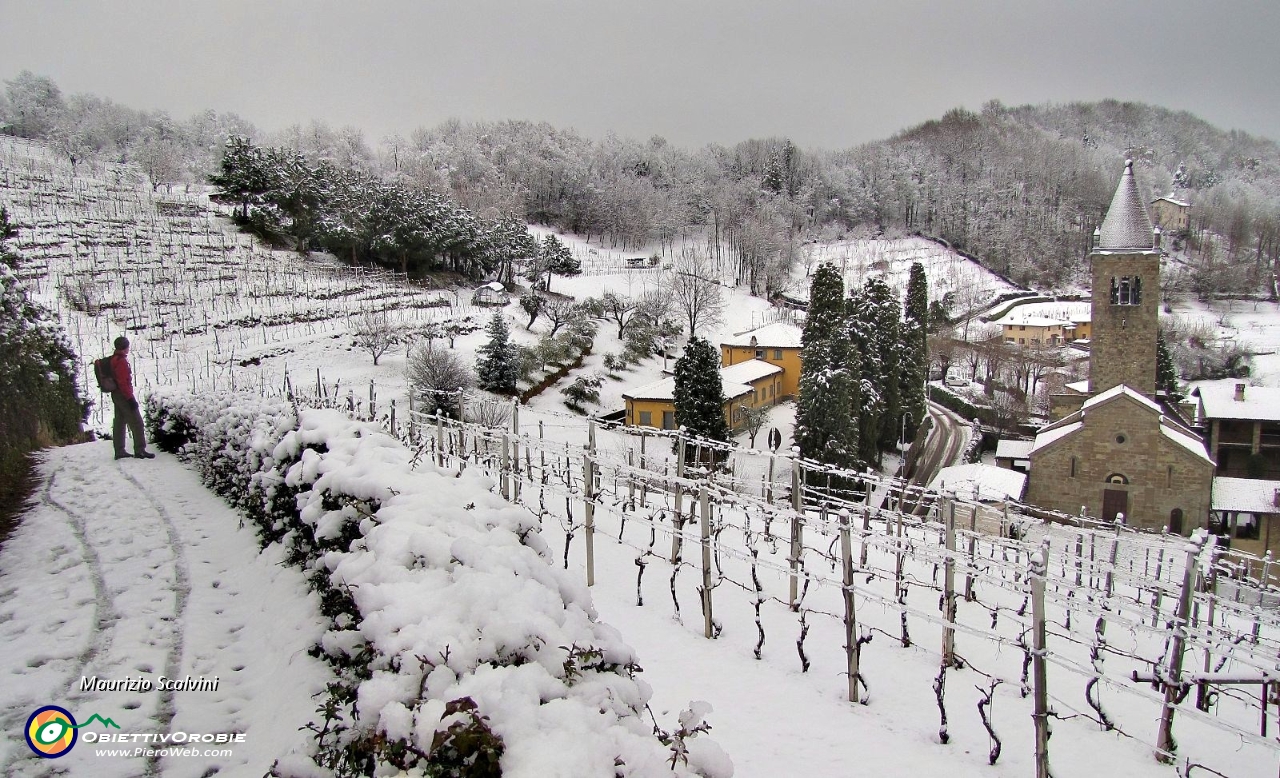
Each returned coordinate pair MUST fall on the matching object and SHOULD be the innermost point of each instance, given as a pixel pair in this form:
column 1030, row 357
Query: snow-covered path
column 132, row 570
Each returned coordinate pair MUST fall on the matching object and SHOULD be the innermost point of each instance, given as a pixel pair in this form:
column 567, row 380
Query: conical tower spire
column 1127, row 225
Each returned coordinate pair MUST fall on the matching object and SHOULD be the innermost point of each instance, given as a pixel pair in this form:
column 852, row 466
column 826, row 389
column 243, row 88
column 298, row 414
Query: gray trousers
column 127, row 414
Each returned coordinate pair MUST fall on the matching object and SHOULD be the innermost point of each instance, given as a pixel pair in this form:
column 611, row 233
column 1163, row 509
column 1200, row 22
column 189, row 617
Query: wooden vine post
column 677, row 518
column 439, row 438
column 797, row 505
column 1172, row 681
column 505, row 477
column 1040, row 679
column 588, row 502
column 949, row 586
column 1202, row 688
column 704, row 513
column 850, row 617
column 515, row 448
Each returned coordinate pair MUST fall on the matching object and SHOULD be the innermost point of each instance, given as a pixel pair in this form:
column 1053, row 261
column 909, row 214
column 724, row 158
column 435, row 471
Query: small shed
column 981, row 482
column 492, row 293
column 1014, row 454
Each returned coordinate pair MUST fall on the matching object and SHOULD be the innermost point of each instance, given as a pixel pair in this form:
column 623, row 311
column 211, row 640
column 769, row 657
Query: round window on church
column 1120, row 439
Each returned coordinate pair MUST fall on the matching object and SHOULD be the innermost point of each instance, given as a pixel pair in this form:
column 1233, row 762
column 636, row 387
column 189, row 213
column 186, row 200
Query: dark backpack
column 105, row 375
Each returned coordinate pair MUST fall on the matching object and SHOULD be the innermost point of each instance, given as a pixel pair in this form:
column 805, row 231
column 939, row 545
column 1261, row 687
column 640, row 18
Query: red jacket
column 123, row 375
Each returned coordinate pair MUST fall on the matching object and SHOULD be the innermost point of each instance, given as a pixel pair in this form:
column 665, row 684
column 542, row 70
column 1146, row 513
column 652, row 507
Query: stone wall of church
column 1122, row 438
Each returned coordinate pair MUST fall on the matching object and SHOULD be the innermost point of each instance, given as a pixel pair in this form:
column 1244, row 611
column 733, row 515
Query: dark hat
column 122, row 343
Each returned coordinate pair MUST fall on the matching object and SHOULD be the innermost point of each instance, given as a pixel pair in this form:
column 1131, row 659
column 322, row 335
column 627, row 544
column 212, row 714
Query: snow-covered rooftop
column 1079, row 387
column 1127, row 225
column 1172, row 199
column 665, row 389
column 986, row 481
column 1031, row 320
column 1116, row 391
column 1218, row 401
column 1013, row 449
column 1247, row 495
column 1048, row 436
column 778, row 334
column 1189, row 442
column 748, row 372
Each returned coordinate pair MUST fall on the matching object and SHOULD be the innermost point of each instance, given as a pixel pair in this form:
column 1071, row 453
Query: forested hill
column 1022, row 189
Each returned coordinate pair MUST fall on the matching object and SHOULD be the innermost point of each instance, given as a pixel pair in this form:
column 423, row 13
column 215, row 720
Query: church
column 1119, row 449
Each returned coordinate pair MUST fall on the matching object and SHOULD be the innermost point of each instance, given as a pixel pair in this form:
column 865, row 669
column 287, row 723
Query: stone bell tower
column 1126, row 295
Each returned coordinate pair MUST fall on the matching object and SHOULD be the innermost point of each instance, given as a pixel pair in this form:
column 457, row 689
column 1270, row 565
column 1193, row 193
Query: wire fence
column 1137, row 626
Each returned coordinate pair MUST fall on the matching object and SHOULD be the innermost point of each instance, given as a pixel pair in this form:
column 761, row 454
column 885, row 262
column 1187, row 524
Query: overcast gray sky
column 830, row 74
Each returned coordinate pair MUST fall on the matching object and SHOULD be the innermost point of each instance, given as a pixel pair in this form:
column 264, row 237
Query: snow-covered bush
column 39, row 402
column 459, row 648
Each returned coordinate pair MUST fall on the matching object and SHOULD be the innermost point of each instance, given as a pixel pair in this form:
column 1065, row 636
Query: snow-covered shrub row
column 458, row 647
column 40, row 404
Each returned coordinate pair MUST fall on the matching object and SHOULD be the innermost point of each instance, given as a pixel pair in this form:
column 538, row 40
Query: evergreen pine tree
column 1166, row 372
column 699, row 394
column 497, row 368
column 862, row 318
column 915, row 349
column 827, row 411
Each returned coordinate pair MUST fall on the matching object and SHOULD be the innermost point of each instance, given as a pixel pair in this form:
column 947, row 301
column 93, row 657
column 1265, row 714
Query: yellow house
column 1081, row 328
column 1026, row 330
column 777, row 343
column 752, row 383
column 1171, row 215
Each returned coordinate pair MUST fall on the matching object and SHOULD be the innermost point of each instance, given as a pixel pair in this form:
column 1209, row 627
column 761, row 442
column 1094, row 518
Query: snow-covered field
column 970, row 284
column 175, row 270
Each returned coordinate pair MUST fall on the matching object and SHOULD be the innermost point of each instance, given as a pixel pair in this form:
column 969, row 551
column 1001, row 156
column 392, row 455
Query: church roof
column 1127, row 225
column 1051, row 434
column 1116, row 391
column 1189, row 442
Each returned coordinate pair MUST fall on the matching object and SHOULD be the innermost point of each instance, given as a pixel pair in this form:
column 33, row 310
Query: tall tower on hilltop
column 1126, row 295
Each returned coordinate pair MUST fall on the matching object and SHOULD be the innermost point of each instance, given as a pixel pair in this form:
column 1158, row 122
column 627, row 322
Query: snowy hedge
column 458, row 648
column 40, row 403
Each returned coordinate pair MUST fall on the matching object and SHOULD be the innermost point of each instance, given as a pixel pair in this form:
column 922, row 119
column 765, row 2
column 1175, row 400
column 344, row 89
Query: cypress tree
column 827, row 411
column 885, row 316
column 862, row 320
column 496, row 369
column 915, row 349
column 699, row 394
column 1166, row 372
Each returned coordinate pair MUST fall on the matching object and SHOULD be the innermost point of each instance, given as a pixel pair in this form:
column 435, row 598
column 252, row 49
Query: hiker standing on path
column 126, row 405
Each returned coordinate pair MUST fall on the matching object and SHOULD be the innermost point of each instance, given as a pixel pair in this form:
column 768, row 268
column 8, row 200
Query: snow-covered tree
column 699, row 395
column 498, row 368
column 436, row 377
column 827, row 411
column 915, row 350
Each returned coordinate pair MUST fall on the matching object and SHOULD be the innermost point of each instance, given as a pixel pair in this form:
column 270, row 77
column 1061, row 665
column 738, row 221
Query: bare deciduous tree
column 375, row 333
column 620, row 309
column 559, row 312
column 753, row 420
column 695, row 290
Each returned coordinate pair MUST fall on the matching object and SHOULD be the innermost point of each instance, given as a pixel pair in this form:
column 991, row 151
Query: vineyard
column 1008, row 625
column 205, row 305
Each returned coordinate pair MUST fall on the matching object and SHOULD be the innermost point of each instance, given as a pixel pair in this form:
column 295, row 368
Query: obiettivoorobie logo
column 51, row 731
